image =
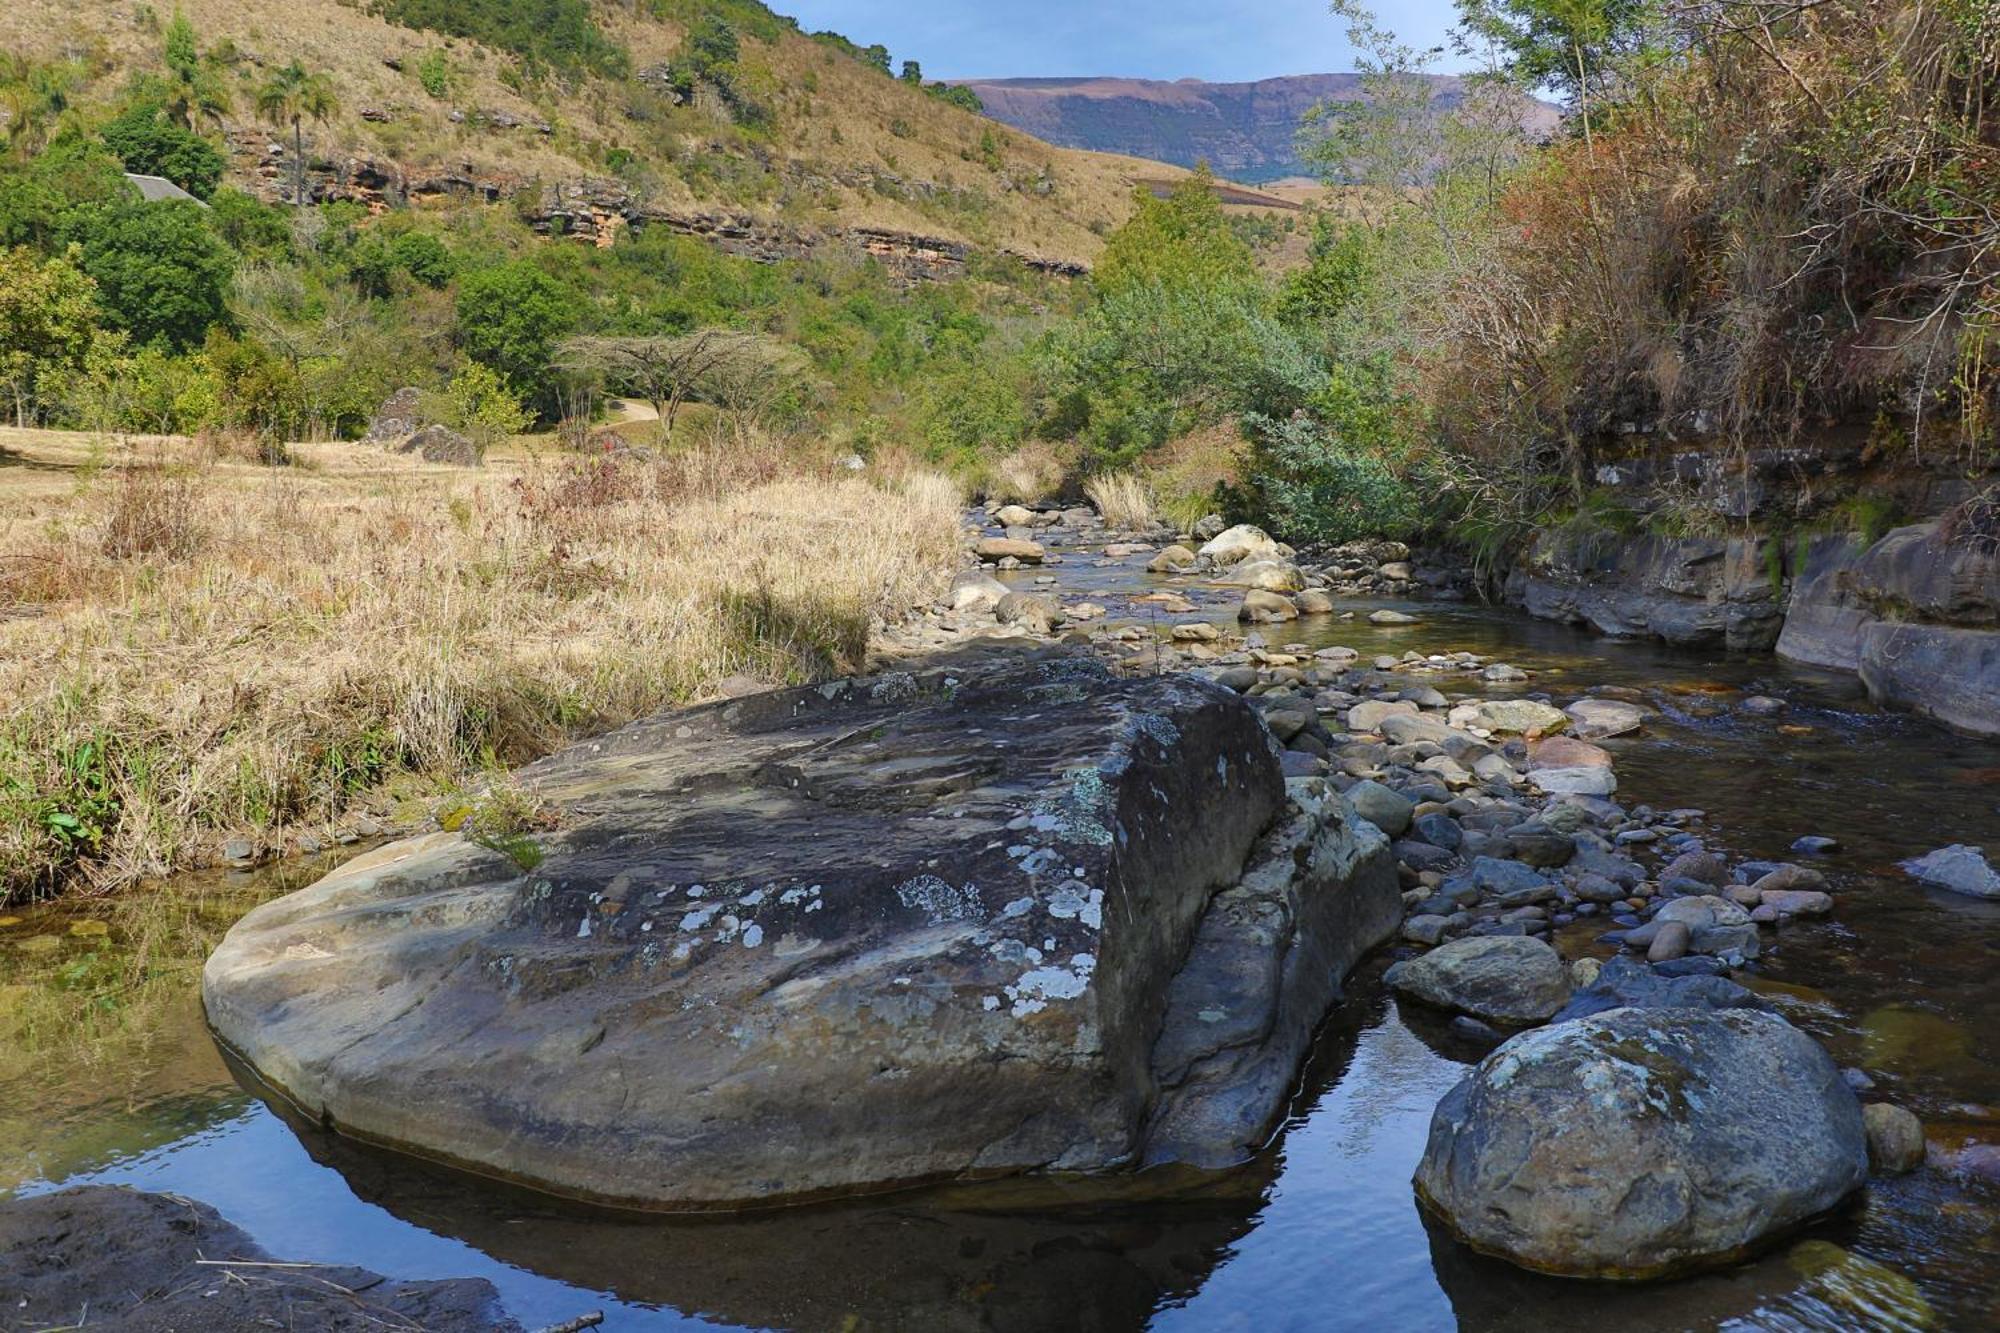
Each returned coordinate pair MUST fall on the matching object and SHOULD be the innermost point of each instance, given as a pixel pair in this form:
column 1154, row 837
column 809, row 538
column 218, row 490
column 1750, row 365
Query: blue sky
column 1217, row 40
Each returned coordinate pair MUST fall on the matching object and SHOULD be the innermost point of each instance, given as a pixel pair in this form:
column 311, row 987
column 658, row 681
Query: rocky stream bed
column 1182, row 927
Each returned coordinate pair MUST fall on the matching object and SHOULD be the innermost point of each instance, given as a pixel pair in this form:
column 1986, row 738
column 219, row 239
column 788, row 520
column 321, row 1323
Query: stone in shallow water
column 1508, row 979
column 825, row 939
column 1643, row 1143
column 117, row 1258
column 1958, row 868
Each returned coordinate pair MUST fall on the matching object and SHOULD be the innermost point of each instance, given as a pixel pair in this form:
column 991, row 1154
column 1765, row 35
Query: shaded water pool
column 107, row 1074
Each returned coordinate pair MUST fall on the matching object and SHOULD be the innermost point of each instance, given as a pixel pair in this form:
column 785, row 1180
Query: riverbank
column 208, row 660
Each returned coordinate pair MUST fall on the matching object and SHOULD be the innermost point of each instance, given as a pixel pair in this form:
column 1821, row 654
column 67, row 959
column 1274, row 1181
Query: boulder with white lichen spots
column 892, row 929
column 1642, row 1143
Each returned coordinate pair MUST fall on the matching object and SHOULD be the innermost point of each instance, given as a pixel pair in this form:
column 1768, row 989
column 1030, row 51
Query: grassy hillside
column 828, row 140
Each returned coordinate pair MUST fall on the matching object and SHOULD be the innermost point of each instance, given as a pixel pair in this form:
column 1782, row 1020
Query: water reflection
column 1322, row 1233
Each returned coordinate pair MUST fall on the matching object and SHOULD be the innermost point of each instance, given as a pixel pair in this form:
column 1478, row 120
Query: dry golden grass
column 1122, row 500
column 1033, row 471
column 851, row 132
column 1186, row 473
column 191, row 649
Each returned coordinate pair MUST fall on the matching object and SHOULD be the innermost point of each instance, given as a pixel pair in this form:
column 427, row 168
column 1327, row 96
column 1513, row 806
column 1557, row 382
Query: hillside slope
column 1245, row 131
column 839, row 147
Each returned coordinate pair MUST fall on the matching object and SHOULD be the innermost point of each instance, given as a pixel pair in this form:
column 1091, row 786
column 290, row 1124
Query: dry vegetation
column 843, row 135
column 191, row 648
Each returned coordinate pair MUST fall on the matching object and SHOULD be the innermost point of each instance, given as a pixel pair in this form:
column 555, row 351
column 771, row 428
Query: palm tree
column 293, row 96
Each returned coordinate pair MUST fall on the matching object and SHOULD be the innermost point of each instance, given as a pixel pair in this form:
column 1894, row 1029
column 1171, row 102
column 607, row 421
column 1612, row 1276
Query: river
column 108, row 1075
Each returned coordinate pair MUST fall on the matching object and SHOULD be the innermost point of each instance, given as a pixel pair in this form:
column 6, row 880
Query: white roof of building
column 155, row 188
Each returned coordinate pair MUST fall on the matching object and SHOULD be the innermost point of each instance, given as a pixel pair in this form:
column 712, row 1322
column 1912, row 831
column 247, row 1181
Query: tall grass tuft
column 1122, row 500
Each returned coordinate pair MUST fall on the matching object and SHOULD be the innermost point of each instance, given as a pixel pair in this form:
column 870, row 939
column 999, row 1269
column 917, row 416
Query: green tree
column 292, row 96
column 913, row 73
column 48, row 317
column 424, row 257
column 75, row 170
column 160, row 272
column 511, row 318
column 191, row 90
column 253, row 228
column 1573, row 46
column 1180, row 240
column 152, row 146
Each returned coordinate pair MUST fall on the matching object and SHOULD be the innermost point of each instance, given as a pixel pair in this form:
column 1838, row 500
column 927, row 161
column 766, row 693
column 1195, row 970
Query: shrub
column 160, row 272
column 510, row 318
column 1311, row 486
column 150, row 145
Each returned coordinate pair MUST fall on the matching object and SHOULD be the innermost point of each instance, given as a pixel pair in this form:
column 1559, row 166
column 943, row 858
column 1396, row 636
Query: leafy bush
column 510, row 318
column 150, row 145
column 479, row 405
column 160, row 272
column 1313, row 486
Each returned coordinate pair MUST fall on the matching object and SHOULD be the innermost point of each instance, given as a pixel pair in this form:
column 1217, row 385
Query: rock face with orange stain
column 1011, row 917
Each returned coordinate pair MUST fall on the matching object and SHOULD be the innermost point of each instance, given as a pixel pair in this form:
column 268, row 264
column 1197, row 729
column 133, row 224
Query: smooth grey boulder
column 878, row 931
column 107, row 1257
column 1643, row 1143
column 1385, row 808
column 1510, row 979
column 976, row 591
column 1958, row 868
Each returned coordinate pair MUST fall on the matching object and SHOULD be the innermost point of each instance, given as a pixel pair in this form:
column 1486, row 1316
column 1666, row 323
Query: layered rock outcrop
column 1693, row 591
column 1917, row 617
column 1011, row 918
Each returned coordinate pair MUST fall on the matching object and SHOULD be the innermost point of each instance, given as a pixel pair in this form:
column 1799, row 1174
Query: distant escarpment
column 1245, row 131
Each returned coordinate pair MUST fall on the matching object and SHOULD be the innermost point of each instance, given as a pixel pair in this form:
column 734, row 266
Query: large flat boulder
column 874, row 932
column 1642, row 1143
column 105, row 1257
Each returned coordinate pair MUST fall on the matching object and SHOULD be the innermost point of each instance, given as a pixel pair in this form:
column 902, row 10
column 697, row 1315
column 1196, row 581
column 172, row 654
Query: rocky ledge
column 1008, row 914
column 1915, row 616
column 100, row 1257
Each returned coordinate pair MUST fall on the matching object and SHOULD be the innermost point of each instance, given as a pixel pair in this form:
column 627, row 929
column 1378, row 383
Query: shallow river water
column 107, row 1074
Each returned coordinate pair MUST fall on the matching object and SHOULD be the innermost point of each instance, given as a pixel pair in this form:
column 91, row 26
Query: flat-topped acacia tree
column 667, row 370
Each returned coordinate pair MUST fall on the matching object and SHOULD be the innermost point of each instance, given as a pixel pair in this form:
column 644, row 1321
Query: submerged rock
column 1960, row 869
column 826, row 939
column 1643, row 1143
column 1626, row 983
column 117, row 1258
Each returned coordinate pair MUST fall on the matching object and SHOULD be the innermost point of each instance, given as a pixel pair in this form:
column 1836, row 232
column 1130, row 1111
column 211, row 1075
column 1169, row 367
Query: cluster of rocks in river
column 1020, row 913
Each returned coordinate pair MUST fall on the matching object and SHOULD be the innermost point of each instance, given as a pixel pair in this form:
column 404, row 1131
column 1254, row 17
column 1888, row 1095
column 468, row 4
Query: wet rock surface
column 1916, row 616
column 916, row 926
column 104, row 1257
column 1641, row 1143
column 1512, row 980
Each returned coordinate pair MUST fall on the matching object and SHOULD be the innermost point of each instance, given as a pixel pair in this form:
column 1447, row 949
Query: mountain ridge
column 1247, row 131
